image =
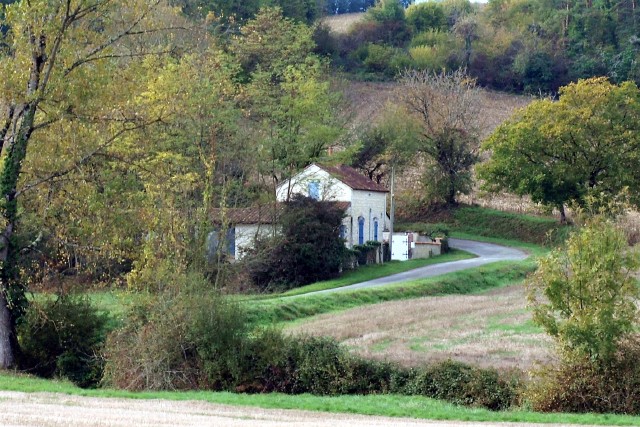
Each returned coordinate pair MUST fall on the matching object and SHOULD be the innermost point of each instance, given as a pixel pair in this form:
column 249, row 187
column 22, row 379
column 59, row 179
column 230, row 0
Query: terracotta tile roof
column 353, row 178
column 259, row 214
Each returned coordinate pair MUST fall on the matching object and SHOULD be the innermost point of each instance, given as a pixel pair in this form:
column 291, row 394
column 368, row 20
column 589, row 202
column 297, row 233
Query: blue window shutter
column 361, row 231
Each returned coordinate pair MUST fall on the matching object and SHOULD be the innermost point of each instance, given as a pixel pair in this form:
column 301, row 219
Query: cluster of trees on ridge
column 534, row 46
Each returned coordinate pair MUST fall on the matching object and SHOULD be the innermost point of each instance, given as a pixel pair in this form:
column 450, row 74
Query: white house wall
column 330, row 189
column 245, row 235
column 368, row 205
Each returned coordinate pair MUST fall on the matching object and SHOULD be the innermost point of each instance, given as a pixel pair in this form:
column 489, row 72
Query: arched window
column 360, row 230
column 343, row 231
column 375, row 229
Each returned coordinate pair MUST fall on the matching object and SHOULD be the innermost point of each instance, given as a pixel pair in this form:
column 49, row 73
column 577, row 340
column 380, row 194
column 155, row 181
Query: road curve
column 486, row 254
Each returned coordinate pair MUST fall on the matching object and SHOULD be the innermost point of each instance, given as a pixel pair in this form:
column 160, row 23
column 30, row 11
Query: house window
column 360, row 230
column 343, row 231
column 375, row 229
column 314, row 189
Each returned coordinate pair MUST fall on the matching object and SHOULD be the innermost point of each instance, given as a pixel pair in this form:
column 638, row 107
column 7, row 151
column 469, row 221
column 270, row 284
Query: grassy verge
column 479, row 221
column 371, row 272
column 530, row 248
column 381, row 405
column 277, row 310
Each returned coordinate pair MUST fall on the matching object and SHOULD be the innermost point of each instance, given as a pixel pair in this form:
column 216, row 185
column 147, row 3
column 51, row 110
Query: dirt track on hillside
column 56, row 410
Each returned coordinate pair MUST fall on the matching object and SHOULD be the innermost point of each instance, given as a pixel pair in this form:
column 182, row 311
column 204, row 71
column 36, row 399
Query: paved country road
column 486, row 253
column 19, row 409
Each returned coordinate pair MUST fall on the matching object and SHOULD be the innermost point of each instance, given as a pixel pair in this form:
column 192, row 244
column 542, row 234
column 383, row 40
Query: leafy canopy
column 584, row 295
column 560, row 151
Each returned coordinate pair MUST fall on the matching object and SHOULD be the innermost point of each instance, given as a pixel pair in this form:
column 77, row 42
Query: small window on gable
column 314, row 190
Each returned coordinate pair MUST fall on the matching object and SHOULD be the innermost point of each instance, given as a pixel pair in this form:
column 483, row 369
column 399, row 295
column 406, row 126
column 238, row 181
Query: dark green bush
column 366, row 254
column 321, row 366
column 63, row 337
column 464, row 385
column 309, row 250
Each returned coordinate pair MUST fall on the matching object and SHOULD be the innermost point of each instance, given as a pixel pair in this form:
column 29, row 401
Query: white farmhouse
column 366, row 212
column 363, row 201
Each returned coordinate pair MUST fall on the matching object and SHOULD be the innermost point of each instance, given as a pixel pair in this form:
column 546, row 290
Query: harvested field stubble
column 489, row 330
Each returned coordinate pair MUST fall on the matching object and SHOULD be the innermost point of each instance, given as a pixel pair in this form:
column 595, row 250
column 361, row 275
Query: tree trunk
column 451, row 194
column 9, row 176
column 563, row 215
column 7, row 358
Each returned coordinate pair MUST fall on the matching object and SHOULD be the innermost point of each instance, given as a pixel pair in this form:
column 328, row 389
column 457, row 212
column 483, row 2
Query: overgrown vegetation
column 195, row 339
column 309, row 248
column 524, row 45
column 62, row 337
column 585, row 297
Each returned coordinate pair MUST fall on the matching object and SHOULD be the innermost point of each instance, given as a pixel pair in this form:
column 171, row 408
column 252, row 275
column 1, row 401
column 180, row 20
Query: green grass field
column 382, row 405
column 278, row 310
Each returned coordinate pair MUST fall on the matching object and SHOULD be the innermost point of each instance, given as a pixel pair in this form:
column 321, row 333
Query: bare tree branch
column 111, row 41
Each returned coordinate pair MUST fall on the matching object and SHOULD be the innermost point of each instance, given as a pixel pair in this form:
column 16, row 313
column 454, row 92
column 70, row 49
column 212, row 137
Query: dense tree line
column 533, row 46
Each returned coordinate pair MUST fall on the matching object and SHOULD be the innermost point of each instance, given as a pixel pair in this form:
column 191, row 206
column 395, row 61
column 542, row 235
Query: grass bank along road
column 19, row 409
column 486, row 254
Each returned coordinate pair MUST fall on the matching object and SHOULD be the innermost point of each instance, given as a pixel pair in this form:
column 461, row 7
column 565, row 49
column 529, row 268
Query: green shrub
column 578, row 385
column 321, row 366
column 464, row 385
column 432, row 58
column 424, row 16
column 309, row 250
column 378, row 58
column 191, row 338
column 431, row 38
column 62, row 337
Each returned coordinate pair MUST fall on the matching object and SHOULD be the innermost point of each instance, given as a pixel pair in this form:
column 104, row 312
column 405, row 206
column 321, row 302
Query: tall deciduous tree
column 288, row 94
column 58, row 65
column 585, row 295
column 447, row 107
column 195, row 96
column 559, row 151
